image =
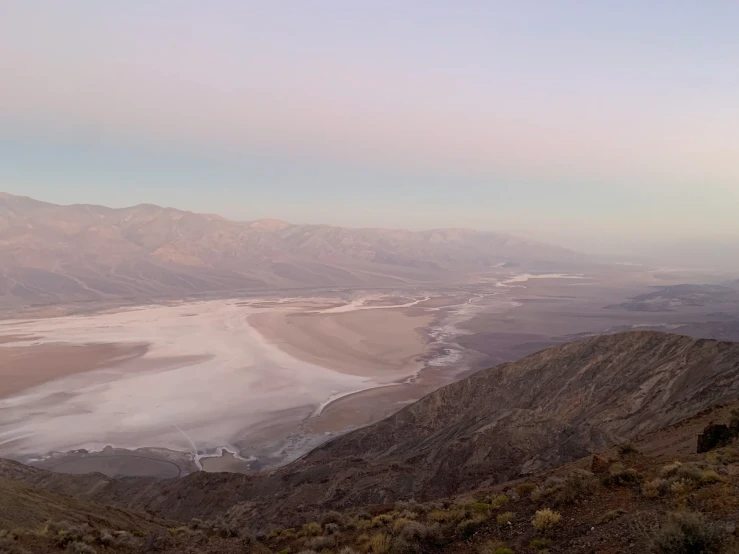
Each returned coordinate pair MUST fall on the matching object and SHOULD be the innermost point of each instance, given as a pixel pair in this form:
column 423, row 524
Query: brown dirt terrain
column 641, row 500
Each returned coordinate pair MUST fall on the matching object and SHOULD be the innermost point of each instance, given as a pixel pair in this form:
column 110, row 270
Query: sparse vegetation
column 687, row 533
column 618, row 476
column 319, row 543
column 332, row 517
column 311, row 529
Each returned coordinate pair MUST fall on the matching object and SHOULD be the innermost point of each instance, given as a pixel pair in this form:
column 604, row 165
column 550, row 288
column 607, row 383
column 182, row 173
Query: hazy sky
column 584, row 122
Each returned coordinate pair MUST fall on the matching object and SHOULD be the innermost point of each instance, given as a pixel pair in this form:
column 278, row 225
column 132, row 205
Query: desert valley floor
column 254, row 382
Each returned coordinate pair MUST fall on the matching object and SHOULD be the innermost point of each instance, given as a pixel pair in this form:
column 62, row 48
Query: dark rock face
column 499, row 424
column 714, row 436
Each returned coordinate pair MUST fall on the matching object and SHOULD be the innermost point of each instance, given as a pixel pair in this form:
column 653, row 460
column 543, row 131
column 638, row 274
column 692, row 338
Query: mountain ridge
column 55, row 254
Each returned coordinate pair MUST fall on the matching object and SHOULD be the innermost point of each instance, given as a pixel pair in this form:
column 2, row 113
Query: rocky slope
column 499, row 424
column 654, row 495
column 51, row 253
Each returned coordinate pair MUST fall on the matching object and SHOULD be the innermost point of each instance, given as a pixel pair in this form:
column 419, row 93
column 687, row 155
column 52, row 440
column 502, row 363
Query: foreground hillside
column 501, row 424
column 51, row 253
column 653, row 495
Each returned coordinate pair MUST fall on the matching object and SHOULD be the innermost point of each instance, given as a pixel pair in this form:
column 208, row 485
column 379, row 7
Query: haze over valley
column 203, row 343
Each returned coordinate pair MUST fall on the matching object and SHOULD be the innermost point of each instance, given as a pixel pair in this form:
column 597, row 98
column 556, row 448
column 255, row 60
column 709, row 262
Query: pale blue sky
column 587, row 123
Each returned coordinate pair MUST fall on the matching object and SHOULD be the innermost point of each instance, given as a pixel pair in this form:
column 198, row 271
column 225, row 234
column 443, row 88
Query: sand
column 22, row 367
column 381, row 343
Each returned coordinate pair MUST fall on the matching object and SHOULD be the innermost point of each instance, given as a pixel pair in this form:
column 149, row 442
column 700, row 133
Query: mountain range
column 59, row 254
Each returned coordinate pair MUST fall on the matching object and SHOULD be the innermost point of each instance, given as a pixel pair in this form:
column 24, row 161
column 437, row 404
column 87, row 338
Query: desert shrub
column 467, row 527
column 311, row 529
column 505, row 518
column 578, row 485
column 552, row 483
column 287, row 551
column 681, row 486
column 379, row 543
column 480, row 508
column 503, row 550
column 727, row 455
column 499, row 501
column 195, row 523
column 417, row 532
column 654, row 488
column 332, row 517
column 525, row 489
column 275, row 533
column 620, row 477
column 71, row 534
column 670, row 469
column 362, row 524
column 305, row 552
column 734, row 421
column 710, row 476
column 687, row 533
column 410, row 505
column 399, row 523
column 319, row 543
column 106, row 538
column 124, row 539
column 690, row 471
column 289, row 533
column 610, row 515
column 545, row 519
column 382, row 519
column 348, row 550
column 81, row 548
column 331, row 529
column 539, row 544
column 9, row 544
column 401, row 545
column 446, row 515
column 626, row 448
column 222, row 528
column 408, row 514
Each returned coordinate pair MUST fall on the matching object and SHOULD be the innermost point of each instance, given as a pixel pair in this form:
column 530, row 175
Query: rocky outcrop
column 714, row 436
column 499, row 424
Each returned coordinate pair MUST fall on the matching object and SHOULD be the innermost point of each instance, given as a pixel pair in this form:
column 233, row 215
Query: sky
column 601, row 125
